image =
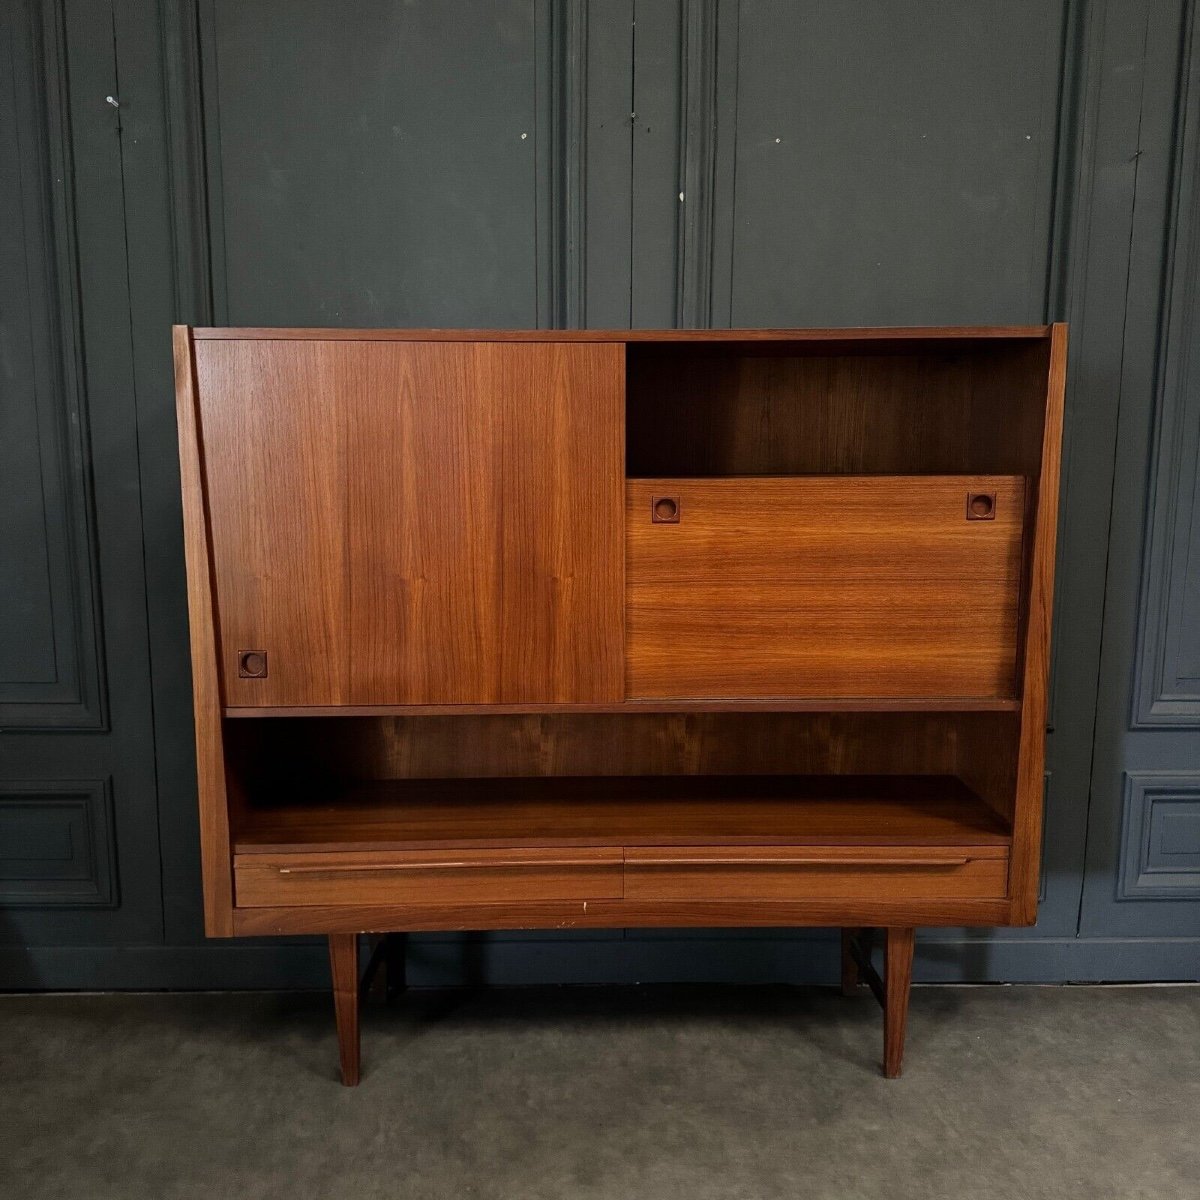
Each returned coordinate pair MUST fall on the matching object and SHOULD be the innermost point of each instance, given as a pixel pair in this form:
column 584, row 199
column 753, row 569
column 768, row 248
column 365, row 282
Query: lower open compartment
column 709, row 838
column 620, row 809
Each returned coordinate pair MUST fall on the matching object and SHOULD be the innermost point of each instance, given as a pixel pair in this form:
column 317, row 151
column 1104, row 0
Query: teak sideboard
column 554, row 630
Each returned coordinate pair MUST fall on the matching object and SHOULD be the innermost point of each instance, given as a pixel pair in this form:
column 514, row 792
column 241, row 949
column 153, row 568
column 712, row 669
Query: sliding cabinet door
column 415, row 522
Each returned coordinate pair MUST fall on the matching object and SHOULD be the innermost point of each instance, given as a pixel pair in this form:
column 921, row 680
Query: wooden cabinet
column 581, row 629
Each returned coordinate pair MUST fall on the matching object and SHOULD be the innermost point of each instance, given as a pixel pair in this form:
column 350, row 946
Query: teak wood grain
column 617, row 914
column 449, row 814
column 1031, row 750
column 416, row 523
column 633, row 706
column 343, row 969
column 428, row 876
column 798, row 529
column 897, row 967
column 868, row 334
column 300, row 754
column 829, row 873
column 863, row 586
column 206, row 693
column 699, row 873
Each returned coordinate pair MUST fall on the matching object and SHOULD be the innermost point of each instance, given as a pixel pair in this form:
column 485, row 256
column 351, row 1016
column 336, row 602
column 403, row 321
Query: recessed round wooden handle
column 664, row 509
column 981, row 505
column 252, row 664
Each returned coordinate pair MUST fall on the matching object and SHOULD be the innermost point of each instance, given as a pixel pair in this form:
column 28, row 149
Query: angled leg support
column 395, row 971
column 851, row 978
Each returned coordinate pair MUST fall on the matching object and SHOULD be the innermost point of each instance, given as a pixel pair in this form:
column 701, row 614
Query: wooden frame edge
column 847, row 334
column 1031, row 755
column 614, row 914
column 215, row 848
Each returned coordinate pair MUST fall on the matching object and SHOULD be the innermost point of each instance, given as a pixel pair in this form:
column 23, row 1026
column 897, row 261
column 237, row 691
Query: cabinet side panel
column 210, row 758
column 1031, row 761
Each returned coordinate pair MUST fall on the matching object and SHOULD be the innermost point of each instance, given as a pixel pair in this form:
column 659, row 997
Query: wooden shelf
column 948, row 704
column 845, row 810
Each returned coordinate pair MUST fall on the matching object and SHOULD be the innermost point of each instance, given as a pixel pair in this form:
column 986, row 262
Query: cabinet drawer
column 837, row 873
column 846, row 587
column 427, row 877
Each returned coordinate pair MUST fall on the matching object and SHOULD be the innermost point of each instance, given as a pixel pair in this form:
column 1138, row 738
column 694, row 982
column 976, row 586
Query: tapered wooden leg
column 343, row 965
column 851, row 979
column 898, row 960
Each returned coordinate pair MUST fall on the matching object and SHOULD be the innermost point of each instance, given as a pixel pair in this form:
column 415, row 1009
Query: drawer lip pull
column 805, row 861
column 451, row 865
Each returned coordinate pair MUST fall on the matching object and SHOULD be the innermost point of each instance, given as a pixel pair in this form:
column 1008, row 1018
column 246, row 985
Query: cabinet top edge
column 897, row 333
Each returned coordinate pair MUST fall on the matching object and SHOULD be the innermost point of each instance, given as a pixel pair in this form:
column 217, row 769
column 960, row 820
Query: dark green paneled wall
column 532, row 163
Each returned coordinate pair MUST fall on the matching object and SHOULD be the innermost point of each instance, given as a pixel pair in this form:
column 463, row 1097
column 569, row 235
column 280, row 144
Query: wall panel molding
column 64, row 688
column 56, row 844
column 1160, row 838
column 187, row 163
column 1166, row 683
column 1143, row 727
column 567, row 135
column 698, row 162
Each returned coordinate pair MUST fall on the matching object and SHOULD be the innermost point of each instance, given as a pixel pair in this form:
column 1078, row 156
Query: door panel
column 485, row 525
column 415, row 523
column 834, row 587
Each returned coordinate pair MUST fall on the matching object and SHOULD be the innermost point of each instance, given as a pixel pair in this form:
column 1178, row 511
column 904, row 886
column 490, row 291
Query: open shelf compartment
column 715, row 839
column 845, row 810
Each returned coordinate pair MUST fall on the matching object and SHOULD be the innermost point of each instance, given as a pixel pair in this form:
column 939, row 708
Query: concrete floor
column 655, row 1093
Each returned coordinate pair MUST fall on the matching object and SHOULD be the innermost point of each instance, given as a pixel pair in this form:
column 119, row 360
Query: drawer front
column 427, row 877
column 853, row 587
column 783, row 873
